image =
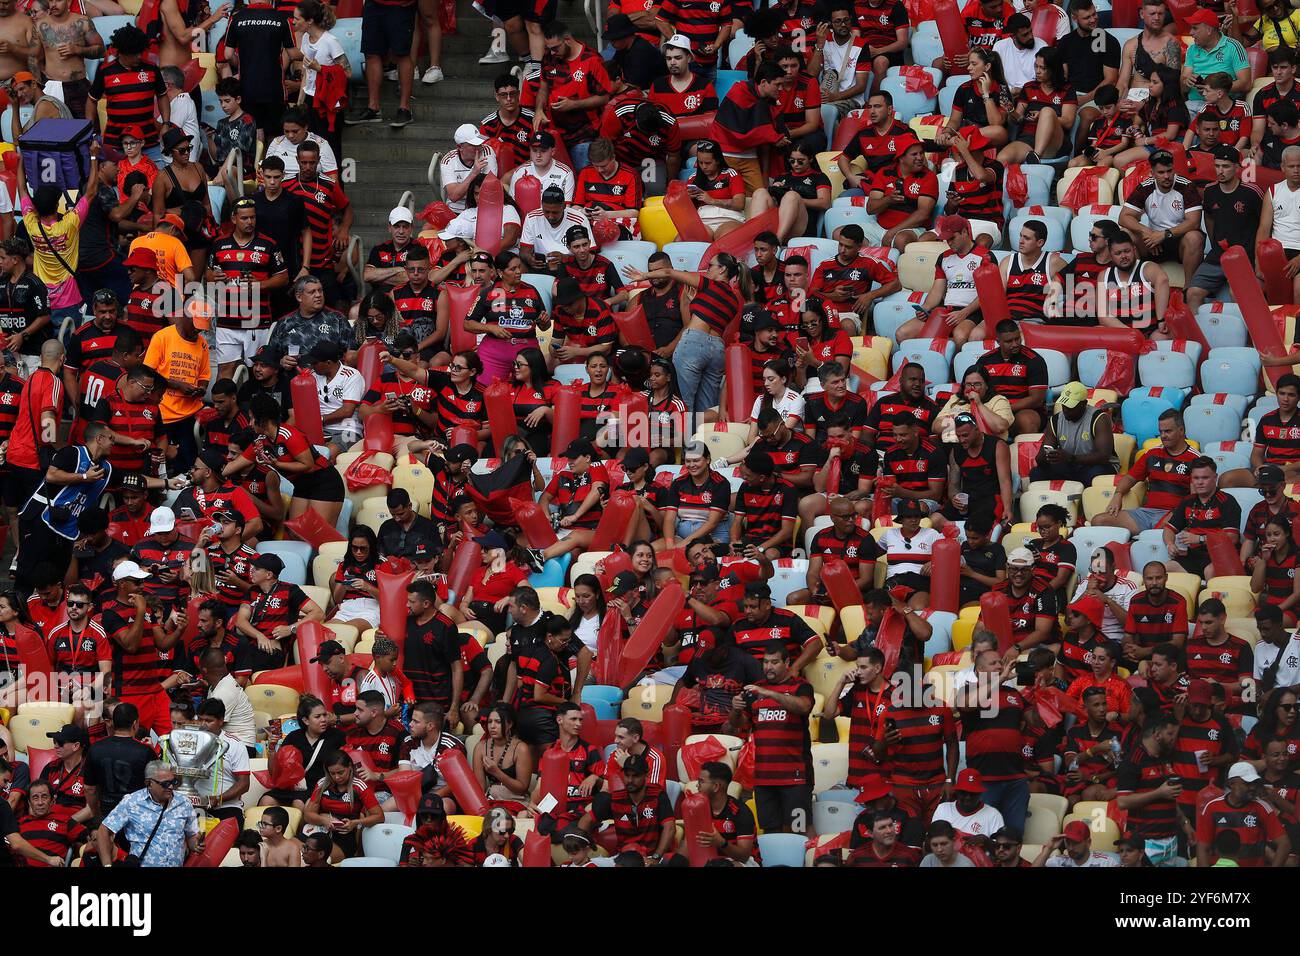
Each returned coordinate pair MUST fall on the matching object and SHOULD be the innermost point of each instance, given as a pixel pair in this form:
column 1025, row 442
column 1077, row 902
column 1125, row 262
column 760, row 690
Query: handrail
column 435, row 173
column 595, row 13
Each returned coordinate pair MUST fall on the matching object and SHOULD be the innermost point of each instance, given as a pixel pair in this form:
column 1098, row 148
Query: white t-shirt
column 558, row 175
column 906, row 556
column 844, row 60
column 1286, row 215
column 587, row 630
column 1121, row 594
column 1288, row 672
column 465, row 225
column 1095, row 858
column 185, row 118
column 1017, row 64
column 985, row 821
column 545, row 238
column 230, row 765
column 346, row 386
column 385, row 685
column 453, row 171
column 1062, row 18
column 240, row 722
column 790, row 405
column 326, row 51
column 288, row 152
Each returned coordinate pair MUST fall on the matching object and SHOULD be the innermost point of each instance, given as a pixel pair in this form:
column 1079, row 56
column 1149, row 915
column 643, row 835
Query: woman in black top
column 801, row 191
column 981, row 101
column 314, row 739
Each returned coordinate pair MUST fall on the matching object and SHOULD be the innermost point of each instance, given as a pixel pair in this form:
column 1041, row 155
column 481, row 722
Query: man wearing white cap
column 1255, row 823
column 386, row 265
column 460, row 165
column 682, row 92
column 139, row 644
column 163, row 553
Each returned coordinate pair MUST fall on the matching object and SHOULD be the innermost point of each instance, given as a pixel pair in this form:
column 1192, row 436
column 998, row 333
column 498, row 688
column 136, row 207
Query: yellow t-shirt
column 169, row 251
column 171, row 356
column 1288, row 28
column 64, row 238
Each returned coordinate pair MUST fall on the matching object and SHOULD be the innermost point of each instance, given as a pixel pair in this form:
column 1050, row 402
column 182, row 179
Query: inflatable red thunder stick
column 368, row 363
column 995, row 614
column 460, row 302
column 536, row 525
column 697, row 818
column 1223, row 554
column 740, row 383
column 609, row 650
column 681, row 210
column 740, row 242
column 992, row 295
column 840, row 584
column 491, row 200
column 500, row 401
column 312, row 528
column 306, row 407
column 37, row 669
column 567, row 417
column 379, row 433
column 675, row 728
column 1248, row 295
column 290, row 676
column 555, row 777
column 537, row 850
column 392, row 606
column 614, row 521
column 952, row 30
column 404, row 785
column 217, row 843
column 634, row 329
column 462, row 435
column 286, row 771
column 936, row 326
column 650, row 633
column 1124, row 13
column 311, row 635
column 527, row 193
column 1272, row 263
column 467, row 559
column 945, row 575
column 454, row 768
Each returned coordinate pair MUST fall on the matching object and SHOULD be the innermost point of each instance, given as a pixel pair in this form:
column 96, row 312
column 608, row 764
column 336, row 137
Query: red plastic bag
column 744, row 772
column 917, row 79
column 311, row 527
column 447, row 16
column 437, row 214
column 699, row 752
column 1141, row 171
column 1118, row 374
column 286, row 770
column 1083, row 191
column 919, row 10
column 363, row 473
column 1017, row 185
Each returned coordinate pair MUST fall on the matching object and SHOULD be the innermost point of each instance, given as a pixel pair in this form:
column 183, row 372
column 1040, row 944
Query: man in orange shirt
column 165, row 243
column 179, row 353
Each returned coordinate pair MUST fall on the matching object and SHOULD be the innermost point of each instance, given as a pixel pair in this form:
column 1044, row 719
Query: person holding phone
column 342, row 805
column 355, row 588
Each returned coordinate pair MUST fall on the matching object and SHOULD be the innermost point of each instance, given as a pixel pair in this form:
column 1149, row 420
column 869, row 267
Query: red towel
column 331, row 89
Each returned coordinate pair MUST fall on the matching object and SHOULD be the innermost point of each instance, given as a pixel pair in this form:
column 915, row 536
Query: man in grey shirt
column 943, row 847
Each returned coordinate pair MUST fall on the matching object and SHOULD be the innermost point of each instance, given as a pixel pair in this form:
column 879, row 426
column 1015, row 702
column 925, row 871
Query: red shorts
column 919, row 802
column 155, row 711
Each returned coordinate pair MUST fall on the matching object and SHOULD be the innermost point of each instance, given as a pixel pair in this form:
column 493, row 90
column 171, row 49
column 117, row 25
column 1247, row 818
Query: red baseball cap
column 969, row 781
column 1203, row 17
column 1076, row 831
column 948, row 226
column 874, row 789
column 1198, row 692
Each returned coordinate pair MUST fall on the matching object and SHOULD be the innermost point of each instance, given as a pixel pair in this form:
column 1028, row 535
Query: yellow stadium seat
column 813, row 622
column 942, row 679
column 556, row 600
column 824, row 672
column 1106, row 188
column 1039, row 493
column 1174, row 270
column 585, row 563
column 823, row 615
column 131, row 7
column 496, row 651
column 1244, row 628
column 853, row 620
column 1089, row 809
column 969, row 614
column 656, row 225
column 345, row 634
column 209, row 63
column 916, row 264
column 962, row 632
column 1186, row 586
column 1096, row 498
column 866, row 357
column 1233, row 591
column 253, row 814
column 830, row 765
column 732, row 745
column 481, row 632
column 1044, row 820
column 370, row 493
column 471, row 824
column 373, row 512
column 53, row 708
column 273, row 699
column 1102, row 396
column 416, row 479
column 317, row 593
column 723, row 438
column 881, row 344
column 753, row 808
column 1030, row 851
column 842, row 727
column 31, row 730
column 365, row 642
column 1125, row 445
column 646, row 701
column 1155, row 443
column 826, row 163
column 1105, row 831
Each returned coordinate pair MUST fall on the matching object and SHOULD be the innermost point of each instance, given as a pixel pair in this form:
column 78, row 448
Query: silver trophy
column 193, row 753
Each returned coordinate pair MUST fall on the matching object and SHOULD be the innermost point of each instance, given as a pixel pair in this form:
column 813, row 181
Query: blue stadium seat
column 1055, row 231
column 1092, row 366
column 1058, row 367
column 348, row 33
column 740, row 44
column 1264, row 405
column 790, row 575
column 1084, row 221
column 613, row 695
column 1222, row 329
column 726, row 79
column 605, row 710
column 1190, row 348
column 345, row 517
column 1232, row 370
column 1172, row 369
column 927, row 48
column 782, row 849
column 888, row 317
column 553, row 573
column 838, row 216
column 1207, row 423
column 1228, row 460
column 908, row 105
column 107, row 26
column 1148, row 546
column 629, row 253
column 1087, row 540
column 544, row 284
column 1141, row 414
column 1247, row 498
column 686, row 255
column 568, row 374
column 1238, row 403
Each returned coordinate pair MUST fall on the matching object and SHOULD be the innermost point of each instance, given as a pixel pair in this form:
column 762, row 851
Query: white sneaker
column 495, row 56
column 432, row 75
column 391, row 75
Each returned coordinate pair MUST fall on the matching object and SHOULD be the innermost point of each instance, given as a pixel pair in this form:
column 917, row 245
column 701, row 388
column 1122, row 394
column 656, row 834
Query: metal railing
column 595, row 11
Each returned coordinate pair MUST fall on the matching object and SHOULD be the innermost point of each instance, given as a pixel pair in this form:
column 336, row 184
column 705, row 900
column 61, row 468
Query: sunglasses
column 361, row 547
column 1289, row 706
column 458, row 368
column 78, row 604
column 166, row 784
column 1094, row 237
column 406, row 353
column 1007, row 846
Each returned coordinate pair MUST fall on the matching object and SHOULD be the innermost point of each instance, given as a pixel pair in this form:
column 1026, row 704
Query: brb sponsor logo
column 77, row 910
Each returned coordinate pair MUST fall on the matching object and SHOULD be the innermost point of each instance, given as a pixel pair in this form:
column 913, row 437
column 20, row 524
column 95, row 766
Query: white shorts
column 239, row 345
column 358, row 609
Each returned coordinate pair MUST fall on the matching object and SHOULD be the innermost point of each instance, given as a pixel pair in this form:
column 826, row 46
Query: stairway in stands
column 390, row 161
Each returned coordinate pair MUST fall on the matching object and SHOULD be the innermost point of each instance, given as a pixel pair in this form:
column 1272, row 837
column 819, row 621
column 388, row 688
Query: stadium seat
column 1085, row 219
column 656, row 225
column 926, row 48
column 273, row 699
column 781, row 849
column 544, row 284
column 385, row 841
column 355, row 862
column 1141, row 415
column 739, row 45
column 1148, row 546
column 31, row 730
column 1222, row 329
column 731, row 743
column 1043, row 822
column 1105, row 831
column 825, row 671
column 253, row 814
column 725, row 80
column 630, row 253
column 1067, row 494
column 1240, row 405
column 789, row 575
column 1087, row 540
column 1167, row 369
column 1247, row 498
column 1096, row 498
column 1212, row 423
column 686, row 255
column 888, row 317
column 833, row 816
column 908, row 104
column 1055, row 231
column 830, row 765
column 646, row 701
column 1232, row 370
column 838, row 216
column 1234, row 591
column 1176, row 397
column 1058, row 367
column 916, row 264
column 327, row 559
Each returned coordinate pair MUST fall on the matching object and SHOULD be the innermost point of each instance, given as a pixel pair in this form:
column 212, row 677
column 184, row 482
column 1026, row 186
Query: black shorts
column 532, row 11
column 1169, row 251
column 1195, row 562
column 11, row 489
column 386, row 28
column 784, row 809
column 287, row 797
column 537, row 726
column 323, row 485
column 269, row 117
column 911, row 579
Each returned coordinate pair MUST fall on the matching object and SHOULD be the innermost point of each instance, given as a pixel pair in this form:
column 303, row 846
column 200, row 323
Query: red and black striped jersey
column 716, row 304
column 566, row 488
column 515, row 309
column 779, row 625
column 782, row 747
column 979, row 470
column 700, row 21
column 765, row 509
column 1256, row 824
column 918, row 761
column 100, row 379
column 637, row 824
column 584, row 761
column 155, row 557
column 1210, row 738
column 1279, row 577
column 280, row 605
column 797, row 455
column 513, row 135
column 350, row 804
column 878, row 25
column 1151, row 623
column 136, row 673
column 344, row 575
column 913, row 189
column 1233, row 124
column 857, row 549
column 620, row 191
column 866, row 712
column 593, row 410
column 248, row 264
column 404, row 422
column 142, row 313
column 1225, row 663
column 1027, row 609
column 914, row 470
column 579, row 78
column 633, row 145
column 984, row 31
column 11, row 390
column 1026, row 286
column 599, row 279
column 128, row 96
column 727, row 184
column 289, row 443
column 1220, row 513
column 880, row 417
column 239, row 563
column 993, row 739
column 818, row 409
column 1141, row 773
column 1281, row 440
column 857, row 278
column 802, row 95
column 322, row 199
column 130, row 420
column 382, row 746
column 80, row 652
column 1015, row 377
column 693, row 502
column 90, row 344
column 217, row 432
column 1036, row 98
column 1168, row 477
column 594, row 327
column 977, row 199
column 417, row 309
column 879, row 149
column 699, row 95
column 1079, row 739
column 54, row 834
column 454, row 408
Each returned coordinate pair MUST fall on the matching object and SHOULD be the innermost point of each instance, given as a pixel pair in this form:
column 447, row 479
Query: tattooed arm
column 1172, row 56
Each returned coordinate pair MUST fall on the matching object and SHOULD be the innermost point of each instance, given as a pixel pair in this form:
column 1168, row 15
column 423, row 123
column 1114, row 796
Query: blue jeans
column 1011, row 799
column 699, row 363
column 720, row 534
column 578, row 156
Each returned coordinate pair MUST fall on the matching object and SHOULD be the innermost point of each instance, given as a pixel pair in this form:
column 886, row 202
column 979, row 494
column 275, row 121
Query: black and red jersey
column 880, row 417
column 80, row 652
column 455, row 408
column 1225, row 663
column 136, row 673
column 878, row 148
column 1152, row 623
column 699, row 96
column 1208, row 738
column 638, row 824
column 857, row 278
column 417, row 309
column 633, row 145
column 700, row 21
column 322, row 199
column 130, row 420
column 54, row 834
column 382, row 746
column 217, row 432
column 977, row 199
column 594, row 327
column 1036, row 98
column 517, row 309
column 128, row 95
column 1256, row 824
column 857, row 549
column 584, row 761
column 1026, row 286
column 993, row 738
column 239, row 563
column 249, row 264
column 281, row 605
column 918, row 760
column 431, row 651
column 818, row 409
column 88, row 344
column 716, row 304
column 155, row 557
column 765, row 508
column 350, row 804
column 1168, row 476
column 142, row 313
column 567, row 490
column 98, row 379
column 866, row 712
column 1141, row 773
column 514, row 135
column 1220, row 513
column 878, row 25
column 914, row 470
column 1281, row 440
column 780, row 625
column 11, row 390
column 539, row 668
column 782, row 746
column 600, row 279
column 1015, row 377
column 1027, row 609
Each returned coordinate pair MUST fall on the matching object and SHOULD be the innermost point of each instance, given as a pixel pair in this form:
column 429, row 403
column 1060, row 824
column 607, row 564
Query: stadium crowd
column 837, row 434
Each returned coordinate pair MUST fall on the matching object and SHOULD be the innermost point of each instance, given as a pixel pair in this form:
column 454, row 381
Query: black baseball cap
column 269, row 562
column 910, row 508
column 461, row 453
column 623, row 582
column 635, row 458
column 1269, row 475
column 70, row 734
column 324, row 351
column 267, row 355
column 328, row 649
column 134, row 481
column 579, row 447
column 542, row 139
